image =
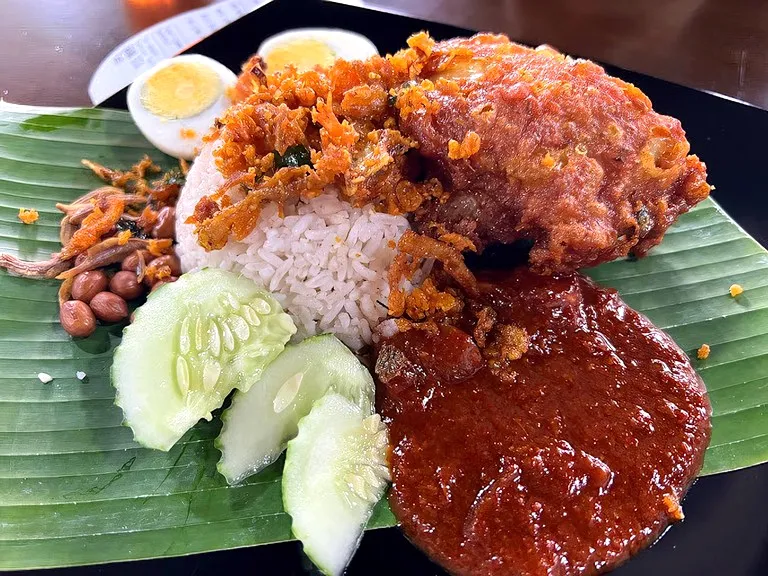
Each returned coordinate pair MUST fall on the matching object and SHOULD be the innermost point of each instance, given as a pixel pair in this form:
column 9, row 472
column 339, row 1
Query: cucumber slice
column 190, row 344
column 335, row 472
column 260, row 422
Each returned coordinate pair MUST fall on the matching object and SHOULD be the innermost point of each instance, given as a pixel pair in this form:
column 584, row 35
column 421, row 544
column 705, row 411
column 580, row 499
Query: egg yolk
column 181, row 90
column 305, row 54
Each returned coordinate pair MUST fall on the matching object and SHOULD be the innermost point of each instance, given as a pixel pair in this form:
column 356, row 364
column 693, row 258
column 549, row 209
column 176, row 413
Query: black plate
column 725, row 531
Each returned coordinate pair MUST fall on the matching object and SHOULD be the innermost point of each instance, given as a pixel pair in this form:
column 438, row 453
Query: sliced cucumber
column 335, row 472
column 190, row 344
column 260, row 421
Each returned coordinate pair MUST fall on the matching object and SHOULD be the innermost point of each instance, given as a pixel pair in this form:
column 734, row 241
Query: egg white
column 165, row 134
column 345, row 44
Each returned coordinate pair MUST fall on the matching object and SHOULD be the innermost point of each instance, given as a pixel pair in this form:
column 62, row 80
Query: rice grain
column 326, row 262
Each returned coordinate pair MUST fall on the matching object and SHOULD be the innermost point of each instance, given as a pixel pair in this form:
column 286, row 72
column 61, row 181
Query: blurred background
column 50, row 48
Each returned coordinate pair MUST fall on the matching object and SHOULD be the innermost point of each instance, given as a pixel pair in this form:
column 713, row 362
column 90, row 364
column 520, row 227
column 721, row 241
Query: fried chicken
column 568, row 157
column 476, row 137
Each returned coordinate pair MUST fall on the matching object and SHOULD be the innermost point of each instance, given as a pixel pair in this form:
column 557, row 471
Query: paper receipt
column 163, row 40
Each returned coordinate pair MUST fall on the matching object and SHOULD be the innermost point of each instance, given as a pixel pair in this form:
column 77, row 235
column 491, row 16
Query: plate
column 727, row 514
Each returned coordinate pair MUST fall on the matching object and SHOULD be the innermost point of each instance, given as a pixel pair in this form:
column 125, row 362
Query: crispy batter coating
column 28, row 215
column 479, row 138
column 569, row 157
column 342, row 122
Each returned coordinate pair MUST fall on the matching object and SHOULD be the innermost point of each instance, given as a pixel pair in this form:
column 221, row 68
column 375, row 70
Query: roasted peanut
column 131, row 262
column 126, row 285
column 77, row 318
column 165, row 225
column 170, row 260
column 109, row 307
column 88, row 284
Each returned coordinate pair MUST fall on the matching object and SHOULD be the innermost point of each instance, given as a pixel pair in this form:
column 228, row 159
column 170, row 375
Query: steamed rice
column 326, row 262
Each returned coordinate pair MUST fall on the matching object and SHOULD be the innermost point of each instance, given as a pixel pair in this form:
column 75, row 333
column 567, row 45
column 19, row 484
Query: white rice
column 326, row 262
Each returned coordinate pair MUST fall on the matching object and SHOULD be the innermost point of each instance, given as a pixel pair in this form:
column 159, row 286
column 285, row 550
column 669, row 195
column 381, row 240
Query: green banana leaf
column 75, row 488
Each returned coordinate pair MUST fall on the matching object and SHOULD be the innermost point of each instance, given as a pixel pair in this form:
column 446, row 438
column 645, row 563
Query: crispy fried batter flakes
column 345, row 118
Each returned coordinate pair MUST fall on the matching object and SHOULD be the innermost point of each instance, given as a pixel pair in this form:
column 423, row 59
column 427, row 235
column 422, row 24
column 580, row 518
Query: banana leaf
column 75, row 488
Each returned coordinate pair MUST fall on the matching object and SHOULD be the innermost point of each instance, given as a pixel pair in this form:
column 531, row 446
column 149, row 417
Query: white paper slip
column 163, row 40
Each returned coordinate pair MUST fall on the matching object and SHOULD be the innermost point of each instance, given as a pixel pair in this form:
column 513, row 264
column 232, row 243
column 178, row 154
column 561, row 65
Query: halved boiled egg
column 306, row 48
column 175, row 103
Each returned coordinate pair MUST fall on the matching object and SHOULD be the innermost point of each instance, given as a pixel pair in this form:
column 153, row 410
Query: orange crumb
column 547, row 161
column 447, row 86
column 408, row 196
column 673, row 507
column 391, row 244
column 469, row 146
column 414, row 98
column 735, row 290
column 158, row 272
column 123, row 237
column 461, row 243
column 636, row 95
column 397, row 271
column 510, row 343
column 147, row 218
column 403, row 325
column 159, row 247
column 28, row 216
column 703, row 352
column 426, row 300
column 422, row 41
column 187, row 133
column 486, row 320
column 503, row 346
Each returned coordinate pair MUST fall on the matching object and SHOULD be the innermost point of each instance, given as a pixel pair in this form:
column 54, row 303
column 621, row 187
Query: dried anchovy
column 141, row 267
column 46, row 269
column 86, row 198
column 66, row 230
column 79, row 213
column 103, row 254
column 65, row 290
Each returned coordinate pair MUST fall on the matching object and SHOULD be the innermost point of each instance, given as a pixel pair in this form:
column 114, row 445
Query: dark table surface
column 726, row 527
column 50, row 48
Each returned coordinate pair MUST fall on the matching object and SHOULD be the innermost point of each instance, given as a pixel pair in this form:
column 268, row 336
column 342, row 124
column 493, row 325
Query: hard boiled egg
column 306, row 48
column 175, row 103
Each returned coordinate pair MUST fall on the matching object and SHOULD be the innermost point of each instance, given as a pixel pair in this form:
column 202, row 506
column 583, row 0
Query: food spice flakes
column 159, row 247
column 469, row 146
column 28, row 216
column 674, row 510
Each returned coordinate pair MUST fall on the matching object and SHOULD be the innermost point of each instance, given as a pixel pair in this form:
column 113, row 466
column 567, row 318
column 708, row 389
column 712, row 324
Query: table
column 51, row 48
column 32, row 73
